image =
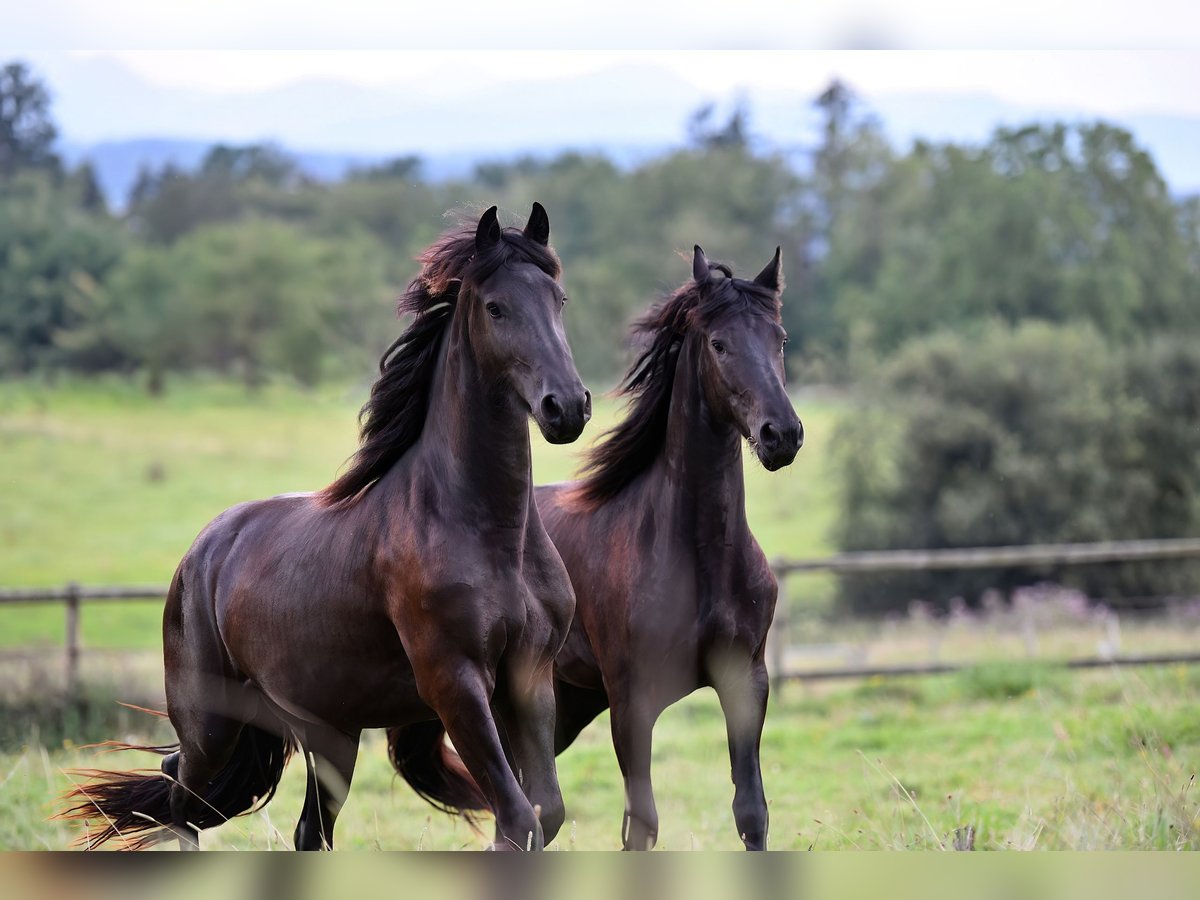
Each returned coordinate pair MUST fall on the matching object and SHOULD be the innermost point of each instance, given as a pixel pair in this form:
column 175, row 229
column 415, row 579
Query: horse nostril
column 551, row 411
column 768, row 437
column 799, row 434
column 587, row 404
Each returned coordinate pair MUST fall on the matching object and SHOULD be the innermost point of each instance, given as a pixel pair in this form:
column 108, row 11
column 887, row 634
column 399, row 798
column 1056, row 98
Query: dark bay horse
column 419, row 591
column 673, row 592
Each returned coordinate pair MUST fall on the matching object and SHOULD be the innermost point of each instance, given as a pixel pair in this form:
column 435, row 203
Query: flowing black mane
column 393, row 417
column 626, row 450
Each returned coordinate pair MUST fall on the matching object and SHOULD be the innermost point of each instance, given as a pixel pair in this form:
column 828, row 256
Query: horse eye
column 493, row 310
column 784, row 345
column 562, row 302
column 718, row 346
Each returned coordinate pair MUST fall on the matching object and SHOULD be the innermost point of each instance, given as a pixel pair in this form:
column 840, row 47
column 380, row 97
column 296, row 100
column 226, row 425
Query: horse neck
column 476, row 437
column 703, row 455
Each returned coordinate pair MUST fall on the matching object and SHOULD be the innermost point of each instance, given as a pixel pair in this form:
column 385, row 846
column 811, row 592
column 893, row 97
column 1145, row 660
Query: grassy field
column 1030, row 758
column 101, row 484
column 104, row 485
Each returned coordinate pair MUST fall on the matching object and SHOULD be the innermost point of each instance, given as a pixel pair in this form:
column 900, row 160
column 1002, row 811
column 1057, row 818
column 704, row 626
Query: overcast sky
column 1103, row 82
column 267, row 43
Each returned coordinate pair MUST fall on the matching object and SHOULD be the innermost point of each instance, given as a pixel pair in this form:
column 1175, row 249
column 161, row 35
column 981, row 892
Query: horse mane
column 392, row 419
column 626, row 450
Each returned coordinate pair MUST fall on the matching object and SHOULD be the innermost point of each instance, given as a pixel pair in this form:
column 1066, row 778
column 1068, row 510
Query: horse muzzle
column 562, row 416
column 778, row 443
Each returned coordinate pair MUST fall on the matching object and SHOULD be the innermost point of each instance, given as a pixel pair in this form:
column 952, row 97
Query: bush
column 91, row 715
column 1036, row 434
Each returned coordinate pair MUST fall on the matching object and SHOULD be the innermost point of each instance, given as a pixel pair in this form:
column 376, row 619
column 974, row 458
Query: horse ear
column 487, row 234
column 772, row 276
column 537, row 229
column 699, row 265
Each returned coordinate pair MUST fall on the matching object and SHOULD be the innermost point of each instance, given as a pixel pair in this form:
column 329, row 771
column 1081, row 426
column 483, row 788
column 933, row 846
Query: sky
column 248, row 70
column 1103, row 82
column 611, row 24
column 248, row 45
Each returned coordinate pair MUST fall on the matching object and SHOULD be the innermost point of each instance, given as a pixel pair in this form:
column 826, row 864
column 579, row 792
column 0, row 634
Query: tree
column 267, row 298
column 705, row 134
column 1054, row 223
column 27, row 133
column 53, row 260
column 832, row 158
column 87, row 191
column 839, row 228
column 253, row 162
column 1038, row 433
column 401, row 168
column 231, row 181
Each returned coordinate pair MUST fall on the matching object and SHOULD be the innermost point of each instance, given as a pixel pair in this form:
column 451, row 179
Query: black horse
column 673, row 592
column 419, row 590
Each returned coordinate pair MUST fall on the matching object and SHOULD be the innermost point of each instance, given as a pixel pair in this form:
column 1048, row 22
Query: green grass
column 1086, row 761
column 101, row 484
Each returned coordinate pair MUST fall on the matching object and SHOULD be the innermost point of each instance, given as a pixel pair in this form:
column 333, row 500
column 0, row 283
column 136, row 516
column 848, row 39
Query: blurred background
column 993, row 301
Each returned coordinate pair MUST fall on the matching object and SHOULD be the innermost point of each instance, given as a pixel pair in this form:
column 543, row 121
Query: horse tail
column 420, row 754
column 135, row 807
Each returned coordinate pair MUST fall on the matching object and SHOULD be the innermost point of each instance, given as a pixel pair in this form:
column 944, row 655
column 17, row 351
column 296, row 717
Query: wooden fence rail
column 993, row 557
column 1087, row 662
column 74, row 595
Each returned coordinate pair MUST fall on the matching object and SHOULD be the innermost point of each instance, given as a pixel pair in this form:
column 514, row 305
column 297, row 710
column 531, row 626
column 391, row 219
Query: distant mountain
column 117, row 163
column 630, row 112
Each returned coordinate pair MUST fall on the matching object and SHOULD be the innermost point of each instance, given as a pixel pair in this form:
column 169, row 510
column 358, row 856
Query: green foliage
column 624, row 237
column 1007, row 436
column 27, row 132
column 52, row 717
column 1054, row 223
column 1069, row 224
column 54, row 259
column 243, row 299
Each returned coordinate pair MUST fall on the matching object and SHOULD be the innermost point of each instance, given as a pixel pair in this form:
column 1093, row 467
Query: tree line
column 1015, row 320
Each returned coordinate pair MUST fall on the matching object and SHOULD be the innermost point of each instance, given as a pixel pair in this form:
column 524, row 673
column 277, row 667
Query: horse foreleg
column 742, row 686
column 462, row 701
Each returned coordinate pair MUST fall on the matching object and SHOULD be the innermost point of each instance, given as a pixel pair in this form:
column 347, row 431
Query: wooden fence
column 1034, row 556
column 74, row 595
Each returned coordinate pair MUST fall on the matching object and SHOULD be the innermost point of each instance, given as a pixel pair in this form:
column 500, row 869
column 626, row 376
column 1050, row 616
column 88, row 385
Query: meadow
column 1030, row 758
column 102, row 484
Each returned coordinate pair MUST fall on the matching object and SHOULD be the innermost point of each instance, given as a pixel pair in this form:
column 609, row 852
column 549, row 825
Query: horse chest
column 735, row 600
column 526, row 602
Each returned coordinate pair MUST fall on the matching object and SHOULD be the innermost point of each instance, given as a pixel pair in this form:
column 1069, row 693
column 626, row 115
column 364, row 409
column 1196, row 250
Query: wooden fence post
column 73, row 593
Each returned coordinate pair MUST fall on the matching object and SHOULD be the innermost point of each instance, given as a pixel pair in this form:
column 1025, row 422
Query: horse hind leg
column 575, row 709
column 632, row 733
column 203, row 753
column 232, row 750
column 526, row 712
column 329, row 756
